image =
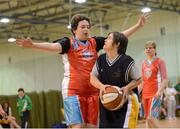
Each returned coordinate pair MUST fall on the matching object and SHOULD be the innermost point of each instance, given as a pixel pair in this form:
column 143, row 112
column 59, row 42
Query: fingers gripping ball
column 113, row 98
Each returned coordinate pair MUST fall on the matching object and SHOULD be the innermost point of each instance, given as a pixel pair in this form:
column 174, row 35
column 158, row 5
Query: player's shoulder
column 64, row 39
column 99, row 38
column 126, row 57
column 102, row 57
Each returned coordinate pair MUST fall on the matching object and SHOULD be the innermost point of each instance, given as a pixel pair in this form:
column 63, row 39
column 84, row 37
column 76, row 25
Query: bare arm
column 133, row 84
column 162, row 88
column 95, row 82
column 164, row 81
column 45, row 46
column 137, row 26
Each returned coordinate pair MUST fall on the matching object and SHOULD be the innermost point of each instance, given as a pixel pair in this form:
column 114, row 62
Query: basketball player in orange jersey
column 154, row 80
column 79, row 54
column 115, row 68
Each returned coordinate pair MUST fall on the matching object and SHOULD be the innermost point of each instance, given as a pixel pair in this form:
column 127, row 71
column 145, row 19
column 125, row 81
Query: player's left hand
column 125, row 91
column 158, row 94
column 142, row 19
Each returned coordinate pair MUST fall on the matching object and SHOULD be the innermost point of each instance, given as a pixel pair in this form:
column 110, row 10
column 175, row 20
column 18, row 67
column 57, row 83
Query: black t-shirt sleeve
column 99, row 42
column 65, row 43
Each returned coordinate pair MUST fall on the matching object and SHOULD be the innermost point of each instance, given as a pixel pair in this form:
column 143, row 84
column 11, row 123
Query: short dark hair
column 122, row 40
column 20, row 89
column 76, row 19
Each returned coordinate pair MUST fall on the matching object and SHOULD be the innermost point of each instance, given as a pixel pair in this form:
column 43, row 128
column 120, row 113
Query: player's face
column 150, row 50
column 108, row 45
column 83, row 30
column 20, row 94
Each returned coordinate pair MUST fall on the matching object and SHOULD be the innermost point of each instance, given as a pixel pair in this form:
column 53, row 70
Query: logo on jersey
column 147, row 72
column 87, row 55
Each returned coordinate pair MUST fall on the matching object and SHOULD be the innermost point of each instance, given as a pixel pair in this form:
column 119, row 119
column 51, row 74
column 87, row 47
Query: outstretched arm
column 46, row 46
column 142, row 20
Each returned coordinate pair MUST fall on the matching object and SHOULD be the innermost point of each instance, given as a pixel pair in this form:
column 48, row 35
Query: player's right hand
column 24, row 42
column 143, row 19
column 103, row 88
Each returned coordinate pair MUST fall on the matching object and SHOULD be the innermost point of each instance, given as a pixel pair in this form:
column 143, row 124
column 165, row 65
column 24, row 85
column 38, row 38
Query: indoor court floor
column 163, row 123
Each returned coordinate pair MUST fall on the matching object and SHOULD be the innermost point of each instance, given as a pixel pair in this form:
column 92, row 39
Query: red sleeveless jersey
column 151, row 78
column 78, row 63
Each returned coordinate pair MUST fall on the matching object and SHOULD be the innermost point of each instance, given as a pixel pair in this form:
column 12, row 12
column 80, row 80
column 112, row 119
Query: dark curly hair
column 76, row 19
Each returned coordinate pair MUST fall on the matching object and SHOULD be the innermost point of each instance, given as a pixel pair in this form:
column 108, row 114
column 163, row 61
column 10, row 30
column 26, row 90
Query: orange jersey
column 78, row 63
column 152, row 75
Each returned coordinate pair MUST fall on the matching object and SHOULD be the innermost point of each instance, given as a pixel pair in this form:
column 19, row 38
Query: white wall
column 30, row 69
column 168, row 45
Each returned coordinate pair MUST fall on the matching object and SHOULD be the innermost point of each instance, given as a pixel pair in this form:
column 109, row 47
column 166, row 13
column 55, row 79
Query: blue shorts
column 81, row 109
column 155, row 107
column 72, row 111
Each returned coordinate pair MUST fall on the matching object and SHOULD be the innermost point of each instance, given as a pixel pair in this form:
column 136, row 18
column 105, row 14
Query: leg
column 92, row 108
column 174, row 109
column 133, row 118
column 152, row 122
column 169, row 108
column 25, row 119
column 147, row 105
column 13, row 122
column 154, row 113
column 76, row 126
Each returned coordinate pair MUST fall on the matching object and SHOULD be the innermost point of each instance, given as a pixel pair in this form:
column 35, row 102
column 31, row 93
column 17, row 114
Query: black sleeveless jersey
column 114, row 73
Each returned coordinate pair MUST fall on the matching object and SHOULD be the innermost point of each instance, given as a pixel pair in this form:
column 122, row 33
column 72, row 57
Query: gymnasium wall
column 36, row 71
column 164, row 29
column 30, row 69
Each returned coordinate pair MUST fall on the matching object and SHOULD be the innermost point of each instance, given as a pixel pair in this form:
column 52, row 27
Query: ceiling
column 47, row 19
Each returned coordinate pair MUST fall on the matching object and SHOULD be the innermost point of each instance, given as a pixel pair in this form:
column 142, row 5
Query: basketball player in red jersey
column 79, row 54
column 154, row 80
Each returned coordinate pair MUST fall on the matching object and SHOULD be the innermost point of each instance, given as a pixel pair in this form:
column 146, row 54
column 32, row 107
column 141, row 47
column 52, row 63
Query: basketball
column 112, row 99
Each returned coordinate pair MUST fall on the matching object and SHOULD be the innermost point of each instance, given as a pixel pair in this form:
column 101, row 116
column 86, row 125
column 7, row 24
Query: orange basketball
column 113, row 98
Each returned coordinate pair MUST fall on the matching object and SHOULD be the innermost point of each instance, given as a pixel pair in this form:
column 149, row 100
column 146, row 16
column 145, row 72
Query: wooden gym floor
column 162, row 123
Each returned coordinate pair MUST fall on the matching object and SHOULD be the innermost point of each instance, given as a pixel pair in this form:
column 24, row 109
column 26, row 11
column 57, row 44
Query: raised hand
column 24, row 42
column 142, row 19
